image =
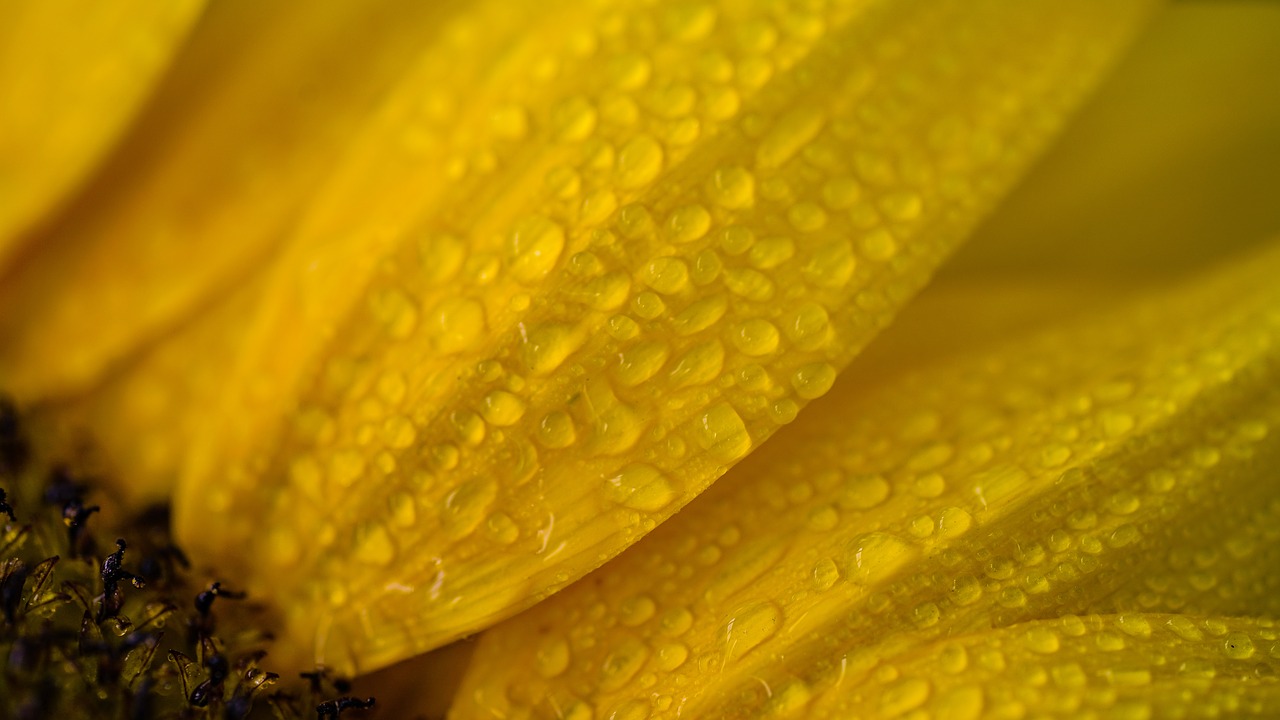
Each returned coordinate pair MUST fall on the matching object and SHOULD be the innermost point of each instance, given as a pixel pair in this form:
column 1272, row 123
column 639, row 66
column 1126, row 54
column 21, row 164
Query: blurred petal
column 75, row 75
column 1172, row 163
column 1117, row 464
column 263, row 101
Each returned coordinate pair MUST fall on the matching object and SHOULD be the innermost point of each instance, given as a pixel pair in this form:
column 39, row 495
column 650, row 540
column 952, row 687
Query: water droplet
column 623, row 328
column 546, row 347
column 1134, row 625
column 831, row 265
column 878, row 245
column 346, row 467
column 706, row 267
column 634, row 221
column 457, row 323
column 469, row 426
column 736, row 240
column 616, row 426
column 629, row 71
column 795, row 129
column 807, row 217
column 903, row 696
column 748, row 283
column 699, row 315
column 689, row 223
column 397, row 312
column 648, row 305
column 1042, row 640
column 398, row 432
column 552, row 657
column 563, row 181
column 755, row 337
column 954, row 522
column 445, row 456
column 822, row 518
column 607, row 292
column 965, row 590
column 641, row 362
column 864, row 491
column 534, row 247
column 466, row 506
column 1184, row 628
column 676, row 622
column 598, row 207
column 502, row 409
column 640, row 487
column 749, row 627
column 667, row 275
column 721, row 432
column 636, row 610
column 1054, row 455
column 502, row 529
column 403, row 511
column 672, row 655
column 1238, row 646
column 700, row 365
column 622, row 664
column 639, row 162
column 878, row 556
column 373, row 545
column 733, row 188
column 441, row 256
column 921, row 526
column 813, row 380
column 825, row 574
column 926, row 615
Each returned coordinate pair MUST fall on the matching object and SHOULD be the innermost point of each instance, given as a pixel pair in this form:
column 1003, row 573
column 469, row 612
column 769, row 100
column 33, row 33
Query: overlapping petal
column 1112, row 465
column 75, row 75
column 445, row 323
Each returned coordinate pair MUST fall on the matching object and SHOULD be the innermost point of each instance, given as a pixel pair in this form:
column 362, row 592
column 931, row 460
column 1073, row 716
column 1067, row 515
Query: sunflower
column 436, row 319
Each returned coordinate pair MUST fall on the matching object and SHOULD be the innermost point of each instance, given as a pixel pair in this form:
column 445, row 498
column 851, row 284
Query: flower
column 417, row 338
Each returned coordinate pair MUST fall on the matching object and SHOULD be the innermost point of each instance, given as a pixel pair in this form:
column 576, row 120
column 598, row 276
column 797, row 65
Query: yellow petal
column 1171, row 163
column 221, row 383
column 74, row 75
column 1119, row 464
column 260, row 105
column 676, row 225
column 1090, row 666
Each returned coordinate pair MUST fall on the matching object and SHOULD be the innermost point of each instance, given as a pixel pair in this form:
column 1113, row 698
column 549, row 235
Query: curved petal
column 75, row 74
column 248, row 122
column 1171, row 164
column 692, row 231
column 1092, row 666
column 1121, row 463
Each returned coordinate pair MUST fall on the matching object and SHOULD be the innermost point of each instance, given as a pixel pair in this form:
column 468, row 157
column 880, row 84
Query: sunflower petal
column 74, row 75
column 250, row 119
column 1091, row 666
column 1119, row 464
column 1171, row 164
column 709, row 211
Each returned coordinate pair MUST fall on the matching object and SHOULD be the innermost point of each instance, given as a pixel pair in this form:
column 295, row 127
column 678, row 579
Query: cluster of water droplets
column 1038, row 480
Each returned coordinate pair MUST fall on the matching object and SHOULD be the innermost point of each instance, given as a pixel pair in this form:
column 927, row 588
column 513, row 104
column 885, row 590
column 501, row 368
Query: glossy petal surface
column 1121, row 465
column 649, row 261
